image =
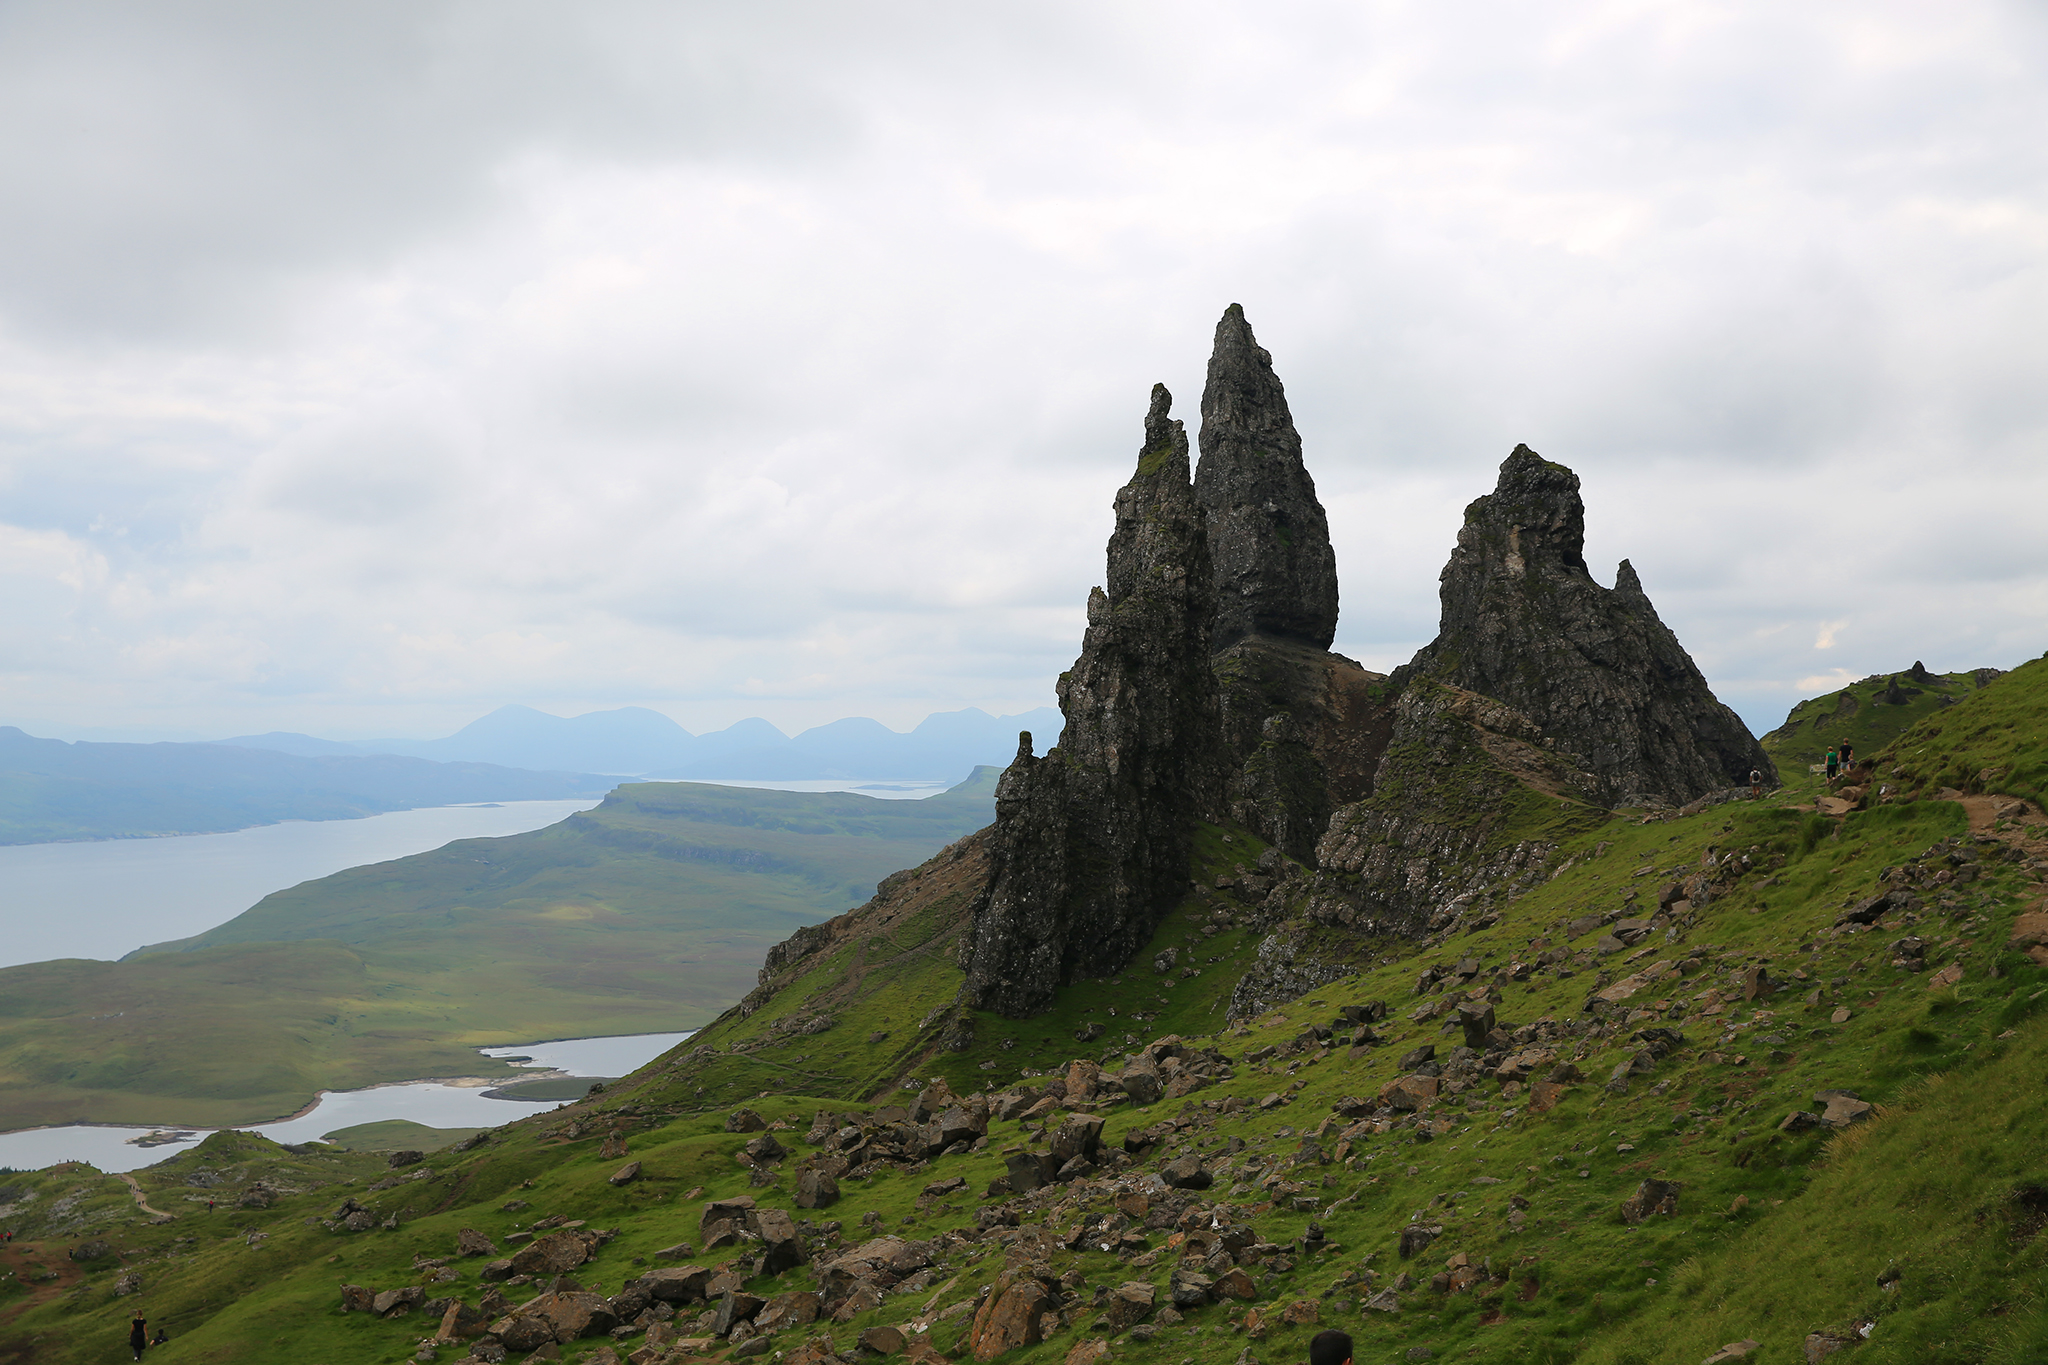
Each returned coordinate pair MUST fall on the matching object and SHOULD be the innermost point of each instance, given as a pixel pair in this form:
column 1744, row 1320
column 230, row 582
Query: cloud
column 390, row 365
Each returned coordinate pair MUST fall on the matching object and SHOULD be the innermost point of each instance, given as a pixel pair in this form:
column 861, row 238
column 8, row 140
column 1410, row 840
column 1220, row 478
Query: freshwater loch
column 434, row 1103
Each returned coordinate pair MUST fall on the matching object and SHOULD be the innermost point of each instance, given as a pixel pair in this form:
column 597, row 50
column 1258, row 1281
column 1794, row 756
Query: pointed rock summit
column 1613, row 690
column 1091, row 842
column 1275, row 572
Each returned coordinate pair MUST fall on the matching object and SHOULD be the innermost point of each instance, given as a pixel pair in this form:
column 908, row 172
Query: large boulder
column 1186, row 1173
column 555, row 1253
column 781, row 1247
column 1008, row 1318
column 470, row 1242
column 677, row 1284
column 394, row 1303
column 815, row 1188
column 461, row 1322
column 1129, row 1303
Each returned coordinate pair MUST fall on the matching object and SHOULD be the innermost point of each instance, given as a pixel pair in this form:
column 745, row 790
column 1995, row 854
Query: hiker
column 1756, row 783
column 138, row 1334
column 1848, row 757
column 1330, row 1348
column 1834, row 761
column 162, row 1338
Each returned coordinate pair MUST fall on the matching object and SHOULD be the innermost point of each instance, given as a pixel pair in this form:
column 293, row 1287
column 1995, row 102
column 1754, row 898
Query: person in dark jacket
column 138, row 1335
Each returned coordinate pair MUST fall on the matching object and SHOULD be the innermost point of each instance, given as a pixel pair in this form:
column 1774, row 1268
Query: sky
column 364, row 368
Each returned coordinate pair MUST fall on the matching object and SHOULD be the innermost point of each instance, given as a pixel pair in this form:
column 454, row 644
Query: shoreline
column 303, row 1111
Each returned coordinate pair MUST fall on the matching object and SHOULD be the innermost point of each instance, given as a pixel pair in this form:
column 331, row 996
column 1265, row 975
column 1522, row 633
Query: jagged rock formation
column 1466, row 814
column 1604, row 678
column 1302, row 724
column 1268, row 538
column 1091, row 842
column 1304, row 729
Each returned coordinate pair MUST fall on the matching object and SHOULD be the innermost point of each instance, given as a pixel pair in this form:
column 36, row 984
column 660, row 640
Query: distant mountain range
column 51, row 791
column 634, row 741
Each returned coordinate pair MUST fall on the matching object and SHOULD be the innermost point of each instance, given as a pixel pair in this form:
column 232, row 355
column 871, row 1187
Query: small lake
column 433, row 1103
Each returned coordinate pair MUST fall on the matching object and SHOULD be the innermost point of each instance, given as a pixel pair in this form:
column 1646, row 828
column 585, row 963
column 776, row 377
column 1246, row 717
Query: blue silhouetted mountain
column 54, row 791
column 634, row 741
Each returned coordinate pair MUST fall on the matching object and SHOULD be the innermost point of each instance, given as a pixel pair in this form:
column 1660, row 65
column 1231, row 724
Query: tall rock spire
column 1605, row 678
column 1275, row 572
column 1092, row 842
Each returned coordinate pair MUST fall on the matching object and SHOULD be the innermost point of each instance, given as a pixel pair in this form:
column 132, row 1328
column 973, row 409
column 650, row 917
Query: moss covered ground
column 1920, row 1224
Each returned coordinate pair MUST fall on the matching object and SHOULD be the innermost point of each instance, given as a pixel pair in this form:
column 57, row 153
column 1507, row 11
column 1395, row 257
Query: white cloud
column 784, row 359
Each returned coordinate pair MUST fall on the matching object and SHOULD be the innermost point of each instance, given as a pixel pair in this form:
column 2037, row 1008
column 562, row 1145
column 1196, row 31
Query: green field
column 650, row 913
column 1868, row 714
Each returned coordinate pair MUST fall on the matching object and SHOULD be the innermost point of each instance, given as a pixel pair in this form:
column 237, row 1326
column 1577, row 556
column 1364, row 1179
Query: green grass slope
column 1913, row 1236
column 650, row 913
column 1868, row 714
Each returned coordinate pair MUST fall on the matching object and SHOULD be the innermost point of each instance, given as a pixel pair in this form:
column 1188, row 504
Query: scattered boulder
column 734, row 1308
column 90, row 1251
column 883, row 1340
column 556, row 1253
column 1009, row 1316
column 398, row 1159
column 1840, row 1108
column 677, row 1284
column 626, row 1174
column 394, row 1303
column 355, row 1299
column 1130, row 1302
column 1651, row 1197
column 570, row 1314
column 1186, row 1173
column 460, row 1322
column 816, row 1189
column 781, row 1247
column 798, row 1308
column 1734, row 1350
column 1415, row 1238
column 745, row 1121
column 470, row 1242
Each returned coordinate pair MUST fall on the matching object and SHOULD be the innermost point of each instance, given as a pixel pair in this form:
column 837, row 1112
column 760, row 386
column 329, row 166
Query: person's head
column 1330, row 1348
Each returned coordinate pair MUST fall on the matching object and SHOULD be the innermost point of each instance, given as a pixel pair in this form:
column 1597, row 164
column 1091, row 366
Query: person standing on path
column 138, row 1335
column 1848, row 757
column 1834, row 761
column 1756, row 783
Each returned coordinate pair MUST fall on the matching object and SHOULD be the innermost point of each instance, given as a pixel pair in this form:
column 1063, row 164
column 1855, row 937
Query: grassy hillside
column 1868, row 714
column 1911, row 1234
column 650, row 913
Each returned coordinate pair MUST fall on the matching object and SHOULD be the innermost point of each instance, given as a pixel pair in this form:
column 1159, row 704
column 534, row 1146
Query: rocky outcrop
column 1268, row 538
column 1091, row 842
column 1595, row 668
column 1301, row 725
column 1303, row 732
column 1466, row 813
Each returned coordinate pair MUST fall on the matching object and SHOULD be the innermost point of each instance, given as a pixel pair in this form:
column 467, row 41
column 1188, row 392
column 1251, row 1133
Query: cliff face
column 1605, row 680
column 1275, row 572
column 1091, row 842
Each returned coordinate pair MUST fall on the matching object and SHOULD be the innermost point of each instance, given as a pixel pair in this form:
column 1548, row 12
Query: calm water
column 429, row 1102
column 109, row 897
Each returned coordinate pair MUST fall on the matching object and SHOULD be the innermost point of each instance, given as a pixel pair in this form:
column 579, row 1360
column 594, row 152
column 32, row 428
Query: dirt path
column 140, row 1202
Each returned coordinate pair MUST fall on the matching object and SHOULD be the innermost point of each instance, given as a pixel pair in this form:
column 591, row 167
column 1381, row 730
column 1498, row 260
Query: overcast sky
column 364, row 367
